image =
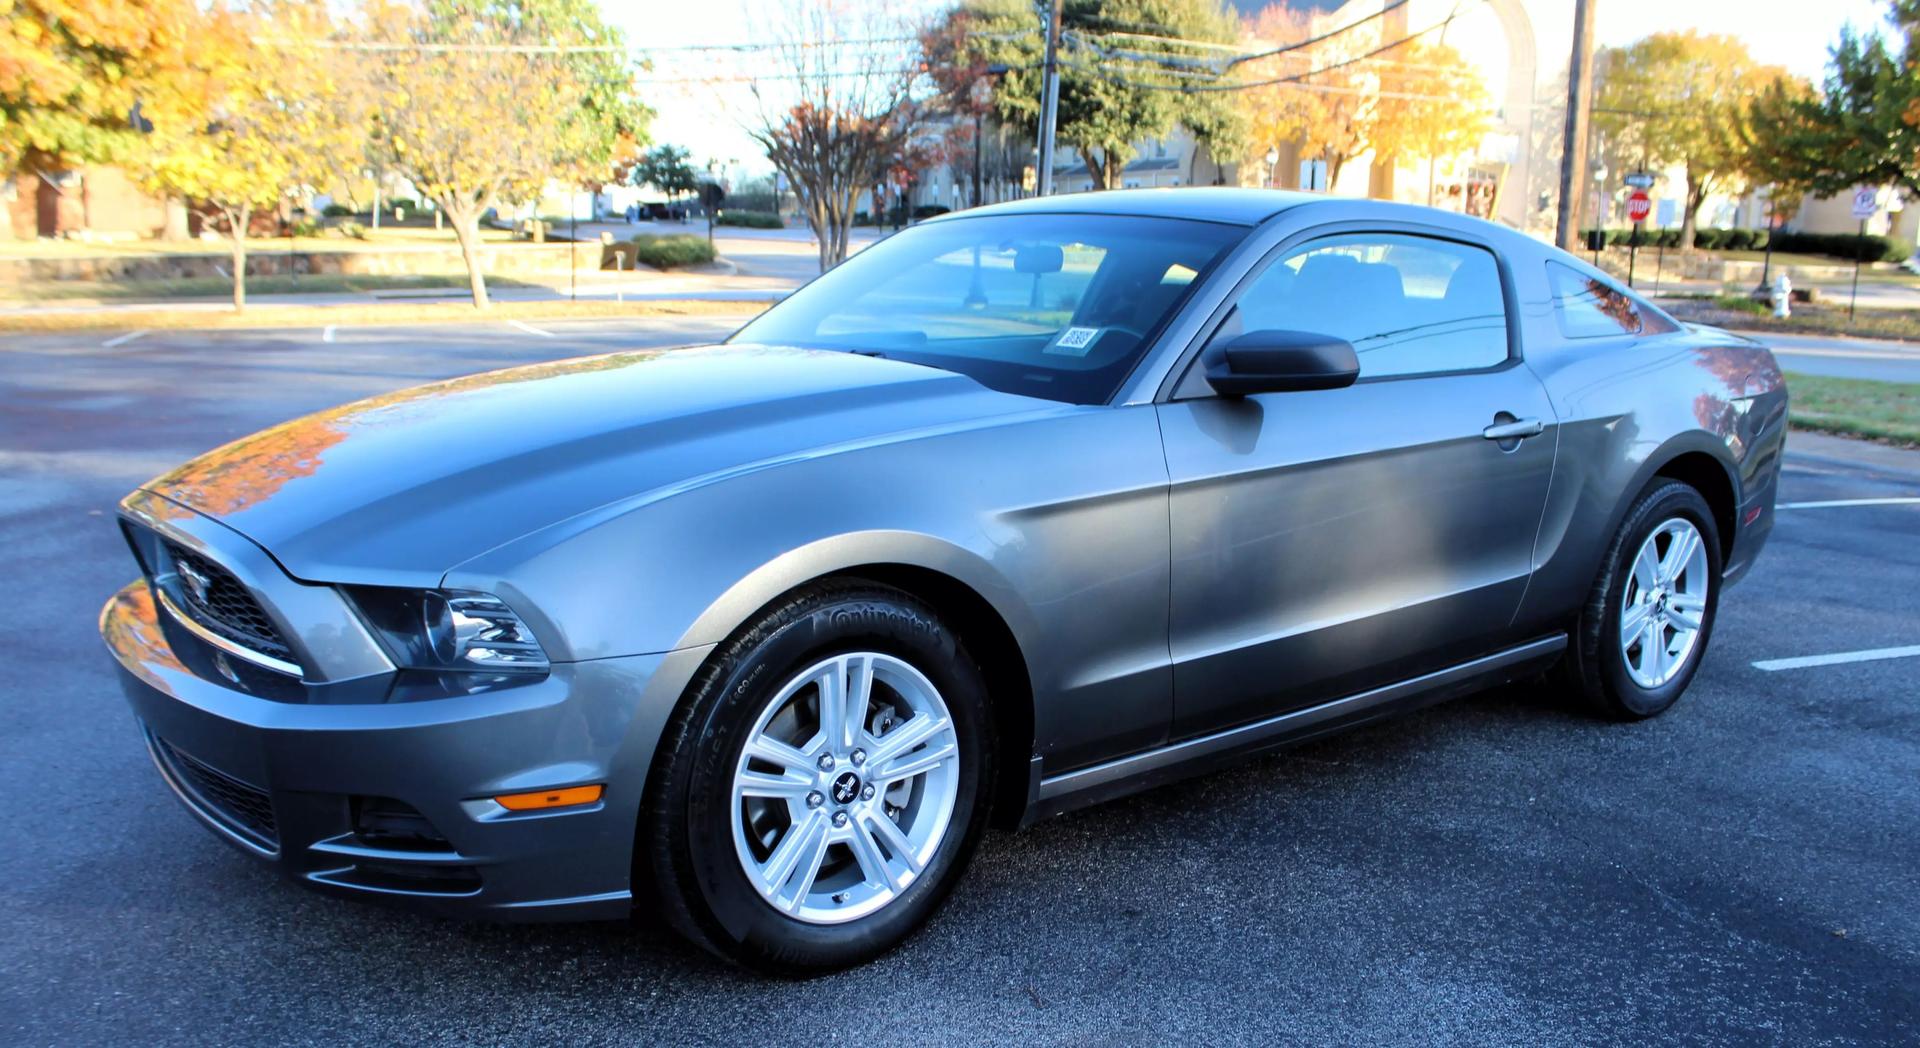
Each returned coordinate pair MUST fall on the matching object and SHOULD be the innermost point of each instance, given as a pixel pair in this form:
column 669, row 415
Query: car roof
column 1233, row 205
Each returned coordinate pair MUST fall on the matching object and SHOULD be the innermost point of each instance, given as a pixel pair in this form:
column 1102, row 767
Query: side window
column 1410, row 305
column 1588, row 307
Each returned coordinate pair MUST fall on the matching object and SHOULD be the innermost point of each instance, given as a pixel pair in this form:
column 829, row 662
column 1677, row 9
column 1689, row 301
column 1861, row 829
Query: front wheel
column 824, row 784
column 1646, row 624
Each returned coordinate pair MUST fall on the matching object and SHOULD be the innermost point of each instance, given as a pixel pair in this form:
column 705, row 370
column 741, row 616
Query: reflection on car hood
column 408, row 484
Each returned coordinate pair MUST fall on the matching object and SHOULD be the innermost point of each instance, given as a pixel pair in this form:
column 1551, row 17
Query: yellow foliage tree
column 1432, row 103
column 1337, row 100
column 254, row 119
column 71, row 72
column 1306, row 94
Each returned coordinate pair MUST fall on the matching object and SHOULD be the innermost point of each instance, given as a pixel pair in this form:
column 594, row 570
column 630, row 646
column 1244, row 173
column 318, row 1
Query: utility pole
column 1050, row 101
column 1573, row 153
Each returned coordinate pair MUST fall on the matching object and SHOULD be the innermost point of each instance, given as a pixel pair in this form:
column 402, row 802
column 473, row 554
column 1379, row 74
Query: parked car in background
column 1020, row 509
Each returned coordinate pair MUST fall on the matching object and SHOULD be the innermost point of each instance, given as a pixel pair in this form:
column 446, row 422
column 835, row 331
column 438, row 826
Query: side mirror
column 1280, row 362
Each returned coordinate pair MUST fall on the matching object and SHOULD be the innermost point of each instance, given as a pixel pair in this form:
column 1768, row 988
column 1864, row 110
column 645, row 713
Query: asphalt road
column 1500, row 869
column 1884, row 361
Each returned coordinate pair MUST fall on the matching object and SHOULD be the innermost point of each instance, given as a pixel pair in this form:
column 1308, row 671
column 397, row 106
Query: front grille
column 219, row 602
column 244, row 809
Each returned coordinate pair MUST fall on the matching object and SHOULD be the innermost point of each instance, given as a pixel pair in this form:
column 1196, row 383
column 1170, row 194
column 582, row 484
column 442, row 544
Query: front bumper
column 287, row 782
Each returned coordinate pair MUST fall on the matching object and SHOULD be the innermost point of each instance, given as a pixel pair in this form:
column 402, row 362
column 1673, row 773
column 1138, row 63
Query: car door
column 1329, row 541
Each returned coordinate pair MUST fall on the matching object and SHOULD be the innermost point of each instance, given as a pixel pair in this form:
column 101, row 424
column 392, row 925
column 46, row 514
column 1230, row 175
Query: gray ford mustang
column 1018, row 510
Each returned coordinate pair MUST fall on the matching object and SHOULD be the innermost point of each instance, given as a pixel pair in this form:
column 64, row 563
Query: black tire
column 685, row 857
column 1595, row 667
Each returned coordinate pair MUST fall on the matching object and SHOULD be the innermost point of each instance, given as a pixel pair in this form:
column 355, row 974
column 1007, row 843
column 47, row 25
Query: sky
column 1791, row 34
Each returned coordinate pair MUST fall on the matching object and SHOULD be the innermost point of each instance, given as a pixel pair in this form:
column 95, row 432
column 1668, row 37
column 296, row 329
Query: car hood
column 406, row 485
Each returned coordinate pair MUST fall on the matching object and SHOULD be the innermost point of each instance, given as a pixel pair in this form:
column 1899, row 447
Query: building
column 91, row 201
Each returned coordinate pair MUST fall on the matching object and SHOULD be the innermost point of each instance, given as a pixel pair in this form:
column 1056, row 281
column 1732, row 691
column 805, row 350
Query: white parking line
column 1871, row 655
column 530, row 329
column 1839, row 503
column 326, row 333
column 121, row 340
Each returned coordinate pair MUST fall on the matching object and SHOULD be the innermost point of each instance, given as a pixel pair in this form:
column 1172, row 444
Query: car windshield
column 1054, row 306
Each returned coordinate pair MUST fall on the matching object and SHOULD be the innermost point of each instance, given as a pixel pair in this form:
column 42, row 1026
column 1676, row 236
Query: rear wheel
column 823, row 786
column 1646, row 623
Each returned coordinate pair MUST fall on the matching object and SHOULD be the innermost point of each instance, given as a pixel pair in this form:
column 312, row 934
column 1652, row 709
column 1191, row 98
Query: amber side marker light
column 550, row 798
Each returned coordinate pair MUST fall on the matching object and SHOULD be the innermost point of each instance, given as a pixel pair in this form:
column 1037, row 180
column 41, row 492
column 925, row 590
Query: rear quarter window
column 1590, row 307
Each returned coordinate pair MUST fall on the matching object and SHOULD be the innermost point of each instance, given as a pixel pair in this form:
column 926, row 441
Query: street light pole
column 1573, row 155
column 1050, row 101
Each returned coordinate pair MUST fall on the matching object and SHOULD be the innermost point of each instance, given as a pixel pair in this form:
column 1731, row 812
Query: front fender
column 840, row 554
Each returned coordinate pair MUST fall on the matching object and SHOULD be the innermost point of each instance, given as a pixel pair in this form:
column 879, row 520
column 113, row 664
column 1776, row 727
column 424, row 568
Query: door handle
column 1515, row 430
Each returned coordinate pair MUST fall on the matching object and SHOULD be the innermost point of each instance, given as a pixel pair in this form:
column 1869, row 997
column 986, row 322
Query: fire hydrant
column 1782, row 296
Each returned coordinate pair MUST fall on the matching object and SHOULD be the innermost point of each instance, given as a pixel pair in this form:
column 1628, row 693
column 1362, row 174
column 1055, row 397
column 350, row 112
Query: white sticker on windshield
column 1074, row 341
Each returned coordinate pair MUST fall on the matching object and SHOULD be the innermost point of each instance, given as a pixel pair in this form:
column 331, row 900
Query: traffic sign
column 1639, row 180
column 1866, row 202
column 1638, row 206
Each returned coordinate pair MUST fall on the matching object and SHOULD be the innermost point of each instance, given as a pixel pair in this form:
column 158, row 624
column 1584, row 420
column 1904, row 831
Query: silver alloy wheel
column 1664, row 604
column 845, row 787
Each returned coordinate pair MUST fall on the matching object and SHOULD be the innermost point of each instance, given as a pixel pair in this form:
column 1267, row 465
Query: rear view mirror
column 1280, row 362
column 1038, row 258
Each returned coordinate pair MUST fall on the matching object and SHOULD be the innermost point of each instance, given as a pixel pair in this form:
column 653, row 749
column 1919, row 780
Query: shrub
column 336, row 211
column 1840, row 246
column 928, row 211
column 305, row 227
column 353, row 230
column 1849, row 246
column 749, row 219
column 661, row 252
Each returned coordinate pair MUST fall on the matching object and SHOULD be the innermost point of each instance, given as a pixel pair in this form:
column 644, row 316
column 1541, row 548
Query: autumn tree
column 1123, row 70
column 250, row 122
column 963, row 83
column 1432, row 103
column 486, row 102
column 1306, row 91
column 1681, row 98
column 841, row 113
column 71, row 72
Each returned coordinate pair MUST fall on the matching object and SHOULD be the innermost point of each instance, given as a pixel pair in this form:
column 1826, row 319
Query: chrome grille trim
column 233, row 648
column 221, row 602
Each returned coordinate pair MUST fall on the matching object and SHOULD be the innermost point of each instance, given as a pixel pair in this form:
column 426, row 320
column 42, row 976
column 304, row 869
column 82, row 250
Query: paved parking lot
column 1500, row 869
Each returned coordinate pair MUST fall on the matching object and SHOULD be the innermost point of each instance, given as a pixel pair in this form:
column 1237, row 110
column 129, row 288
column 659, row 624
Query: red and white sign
column 1639, row 205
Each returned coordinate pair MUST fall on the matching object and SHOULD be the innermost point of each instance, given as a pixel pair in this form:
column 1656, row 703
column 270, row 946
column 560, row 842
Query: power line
column 1251, row 56
column 1330, row 34
column 507, row 49
column 1295, row 78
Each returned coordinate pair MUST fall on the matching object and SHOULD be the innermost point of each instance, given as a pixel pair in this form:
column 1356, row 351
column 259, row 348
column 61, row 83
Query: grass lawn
column 396, row 313
column 1884, row 411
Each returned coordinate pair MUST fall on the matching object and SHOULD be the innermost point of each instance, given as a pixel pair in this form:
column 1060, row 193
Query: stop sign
column 1638, row 206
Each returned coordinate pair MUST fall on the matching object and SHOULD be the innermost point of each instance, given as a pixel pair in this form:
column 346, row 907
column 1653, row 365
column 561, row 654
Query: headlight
column 449, row 629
